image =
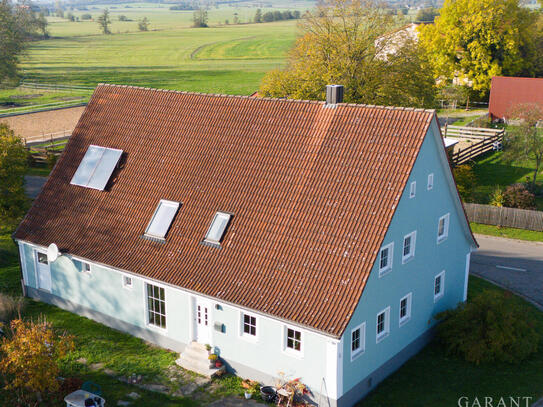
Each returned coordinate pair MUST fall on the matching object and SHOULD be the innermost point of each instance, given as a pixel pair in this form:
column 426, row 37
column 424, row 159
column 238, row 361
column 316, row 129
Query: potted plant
column 208, row 347
column 212, row 359
column 251, row 387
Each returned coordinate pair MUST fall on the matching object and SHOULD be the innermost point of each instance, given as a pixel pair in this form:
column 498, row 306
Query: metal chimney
column 334, row 94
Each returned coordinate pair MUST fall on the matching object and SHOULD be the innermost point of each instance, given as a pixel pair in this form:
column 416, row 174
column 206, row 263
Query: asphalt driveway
column 514, row 264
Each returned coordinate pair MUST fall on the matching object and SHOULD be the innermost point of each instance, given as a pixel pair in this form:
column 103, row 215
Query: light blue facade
column 101, row 295
column 421, row 214
column 324, row 363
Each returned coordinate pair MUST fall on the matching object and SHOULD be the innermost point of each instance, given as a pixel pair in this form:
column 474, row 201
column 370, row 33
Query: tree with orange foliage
column 29, row 357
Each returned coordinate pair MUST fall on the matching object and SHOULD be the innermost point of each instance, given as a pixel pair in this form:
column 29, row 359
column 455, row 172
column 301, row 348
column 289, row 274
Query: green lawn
column 511, row 233
column 491, row 170
column 433, row 379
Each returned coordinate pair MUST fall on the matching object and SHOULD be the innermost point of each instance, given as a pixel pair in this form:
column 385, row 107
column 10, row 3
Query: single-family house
column 506, row 92
column 314, row 238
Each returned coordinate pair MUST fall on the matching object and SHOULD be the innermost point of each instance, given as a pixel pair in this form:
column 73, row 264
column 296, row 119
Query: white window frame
column 388, row 267
column 291, row 351
column 446, row 219
column 407, row 316
column 441, row 293
column 412, row 189
column 242, row 332
column 160, row 203
column 362, row 348
column 215, row 216
column 380, row 336
column 430, row 181
column 411, row 254
column 147, row 322
column 83, row 263
column 131, row 285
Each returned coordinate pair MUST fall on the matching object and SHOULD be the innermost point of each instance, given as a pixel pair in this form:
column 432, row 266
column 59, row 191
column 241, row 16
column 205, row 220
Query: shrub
column 492, row 327
column 465, row 181
column 30, row 360
column 51, row 160
column 497, row 198
column 517, row 196
column 10, row 307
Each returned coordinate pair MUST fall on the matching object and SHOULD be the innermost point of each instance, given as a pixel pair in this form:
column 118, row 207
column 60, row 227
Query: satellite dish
column 52, row 252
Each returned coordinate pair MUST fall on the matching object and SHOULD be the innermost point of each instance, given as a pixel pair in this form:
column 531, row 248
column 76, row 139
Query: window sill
column 438, row 297
column 441, row 239
column 407, row 259
column 249, row 338
column 404, row 321
column 357, row 355
column 385, row 271
column 298, row 354
column 381, row 337
column 156, row 328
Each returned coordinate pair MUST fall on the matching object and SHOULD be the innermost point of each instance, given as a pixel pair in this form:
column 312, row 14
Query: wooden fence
column 483, row 140
column 508, row 217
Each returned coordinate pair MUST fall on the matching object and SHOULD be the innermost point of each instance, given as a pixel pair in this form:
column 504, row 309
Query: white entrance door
column 203, row 321
column 44, row 271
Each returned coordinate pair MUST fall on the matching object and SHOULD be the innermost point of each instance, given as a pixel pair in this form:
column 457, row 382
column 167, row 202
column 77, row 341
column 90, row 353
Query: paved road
column 33, row 185
column 515, row 264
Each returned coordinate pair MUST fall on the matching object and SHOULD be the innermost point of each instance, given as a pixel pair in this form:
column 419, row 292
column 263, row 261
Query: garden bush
column 497, row 198
column 492, row 327
column 465, row 181
column 518, row 196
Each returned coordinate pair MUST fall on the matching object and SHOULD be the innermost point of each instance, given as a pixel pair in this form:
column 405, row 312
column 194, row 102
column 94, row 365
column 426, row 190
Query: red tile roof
column 506, row 92
column 313, row 189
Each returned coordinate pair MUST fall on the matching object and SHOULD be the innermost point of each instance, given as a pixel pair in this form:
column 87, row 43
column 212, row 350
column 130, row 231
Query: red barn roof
column 506, row 92
column 312, row 190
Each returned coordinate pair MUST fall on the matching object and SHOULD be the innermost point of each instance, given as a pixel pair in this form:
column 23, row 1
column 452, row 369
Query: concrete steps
column 195, row 359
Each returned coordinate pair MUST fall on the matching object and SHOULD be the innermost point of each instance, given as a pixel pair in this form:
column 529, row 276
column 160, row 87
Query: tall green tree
column 524, row 140
column 346, row 42
column 258, row 16
column 18, row 25
column 143, row 24
column 13, row 165
column 104, row 22
column 478, row 39
column 199, row 18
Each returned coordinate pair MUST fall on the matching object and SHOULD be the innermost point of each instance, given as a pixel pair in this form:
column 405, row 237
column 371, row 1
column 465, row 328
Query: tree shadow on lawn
column 492, row 171
column 212, row 81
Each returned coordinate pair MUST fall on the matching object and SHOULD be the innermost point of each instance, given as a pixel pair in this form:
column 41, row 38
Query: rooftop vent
column 334, row 94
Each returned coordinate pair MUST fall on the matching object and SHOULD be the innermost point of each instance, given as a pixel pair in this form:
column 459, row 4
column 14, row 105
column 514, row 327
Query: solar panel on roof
column 105, row 168
column 162, row 219
column 96, row 167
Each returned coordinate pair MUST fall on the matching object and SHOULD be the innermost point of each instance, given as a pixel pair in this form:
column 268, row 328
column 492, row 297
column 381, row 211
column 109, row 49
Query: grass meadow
column 172, row 55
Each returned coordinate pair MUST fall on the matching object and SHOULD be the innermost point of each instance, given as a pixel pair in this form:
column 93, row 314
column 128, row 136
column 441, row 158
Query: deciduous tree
column 344, row 42
column 18, row 25
column 13, row 165
column 143, row 24
column 478, row 39
column 200, row 18
column 104, row 22
column 524, row 140
column 29, row 359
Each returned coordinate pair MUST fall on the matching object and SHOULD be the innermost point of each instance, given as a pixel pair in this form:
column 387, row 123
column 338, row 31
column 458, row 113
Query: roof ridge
column 222, row 95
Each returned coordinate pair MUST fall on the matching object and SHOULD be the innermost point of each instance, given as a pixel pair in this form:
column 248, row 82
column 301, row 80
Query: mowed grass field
column 172, row 55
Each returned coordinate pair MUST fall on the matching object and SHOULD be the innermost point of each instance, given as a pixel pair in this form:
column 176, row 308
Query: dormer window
column 96, row 167
column 162, row 219
column 218, row 226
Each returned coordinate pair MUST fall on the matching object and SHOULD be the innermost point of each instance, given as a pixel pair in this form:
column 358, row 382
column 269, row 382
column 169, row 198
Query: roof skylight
column 162, row 219
column 217, row 228
column 96, row 167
